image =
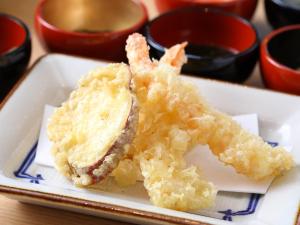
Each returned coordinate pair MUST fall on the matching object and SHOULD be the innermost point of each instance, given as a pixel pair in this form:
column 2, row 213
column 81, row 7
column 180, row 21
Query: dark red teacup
column 15, row 51
column 91, row 28
column 280, row 59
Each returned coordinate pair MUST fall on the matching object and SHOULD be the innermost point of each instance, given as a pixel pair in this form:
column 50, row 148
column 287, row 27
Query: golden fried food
column 173, row 119
column 91, row 130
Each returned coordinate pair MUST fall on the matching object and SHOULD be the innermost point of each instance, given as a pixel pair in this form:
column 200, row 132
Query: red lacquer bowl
column 207, row 31
column 244, row 8
column 280, row 60
column 15, row 51
column 91, row 28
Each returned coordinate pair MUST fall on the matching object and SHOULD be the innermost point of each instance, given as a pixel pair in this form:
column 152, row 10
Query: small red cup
column 243, row 8
column 15, row 51
column 91, row 28
column 280, row 60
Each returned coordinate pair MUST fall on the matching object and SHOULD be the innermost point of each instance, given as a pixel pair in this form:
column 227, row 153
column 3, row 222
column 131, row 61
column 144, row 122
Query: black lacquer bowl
column 15, row 51
column 282, row 12
column 221, row 45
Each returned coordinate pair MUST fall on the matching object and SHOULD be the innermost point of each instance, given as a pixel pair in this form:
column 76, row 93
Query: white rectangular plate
column 50, row 81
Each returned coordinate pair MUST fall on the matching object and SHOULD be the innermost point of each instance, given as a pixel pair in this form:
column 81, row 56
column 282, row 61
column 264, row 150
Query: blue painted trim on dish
column 272, row 143
column 228, row 214
column 22, row 171
column 254, row 198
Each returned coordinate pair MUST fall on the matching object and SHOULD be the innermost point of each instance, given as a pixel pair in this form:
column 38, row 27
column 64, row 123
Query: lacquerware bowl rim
column 209, row 2
column 265, row 49
column 160, row 48
column 39, row 19
column 26, row 41
column 285, row 5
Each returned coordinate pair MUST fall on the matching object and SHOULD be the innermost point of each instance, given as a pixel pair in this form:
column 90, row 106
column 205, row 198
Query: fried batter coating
column 247, row 153
column 173, row 119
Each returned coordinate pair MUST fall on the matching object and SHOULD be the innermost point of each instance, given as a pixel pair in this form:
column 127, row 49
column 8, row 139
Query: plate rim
column 96, row 205
column 39, row 59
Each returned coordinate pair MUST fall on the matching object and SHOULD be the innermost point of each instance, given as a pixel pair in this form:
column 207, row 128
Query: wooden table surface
column 15, row 213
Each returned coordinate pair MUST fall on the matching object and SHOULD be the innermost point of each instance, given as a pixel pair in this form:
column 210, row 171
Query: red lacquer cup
column 91, row 28
column 15, row 51
column 280, row 60
column 244, row 8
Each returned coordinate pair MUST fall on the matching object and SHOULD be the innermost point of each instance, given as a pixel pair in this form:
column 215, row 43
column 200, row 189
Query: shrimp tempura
column 173, row 119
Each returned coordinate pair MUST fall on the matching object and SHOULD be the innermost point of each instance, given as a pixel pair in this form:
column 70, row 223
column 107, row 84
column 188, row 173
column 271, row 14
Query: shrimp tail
column 139, row 59
column 175, row 56
column 138, row 54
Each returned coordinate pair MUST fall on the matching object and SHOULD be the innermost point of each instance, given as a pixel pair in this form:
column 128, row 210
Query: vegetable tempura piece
column 93, row 127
